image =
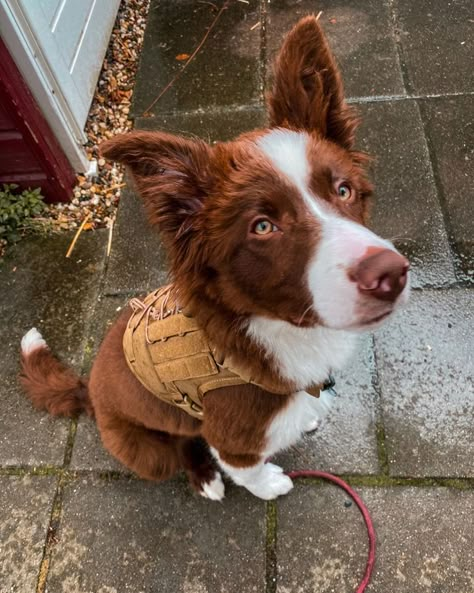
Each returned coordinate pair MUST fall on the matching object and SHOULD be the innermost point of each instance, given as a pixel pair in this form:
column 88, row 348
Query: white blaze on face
column 287, row 151
column 335, row 298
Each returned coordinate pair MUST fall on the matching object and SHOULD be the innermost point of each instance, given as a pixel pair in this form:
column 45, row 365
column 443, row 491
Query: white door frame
column 32, row 64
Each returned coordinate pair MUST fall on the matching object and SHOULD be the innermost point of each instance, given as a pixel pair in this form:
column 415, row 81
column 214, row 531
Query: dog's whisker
column 300, row 321
column 401, row 238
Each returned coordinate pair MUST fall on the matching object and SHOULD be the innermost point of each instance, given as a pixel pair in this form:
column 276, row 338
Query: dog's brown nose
column 382, row 274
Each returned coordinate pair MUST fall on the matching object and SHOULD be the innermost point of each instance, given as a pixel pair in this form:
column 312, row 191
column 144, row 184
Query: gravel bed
column 97, row 199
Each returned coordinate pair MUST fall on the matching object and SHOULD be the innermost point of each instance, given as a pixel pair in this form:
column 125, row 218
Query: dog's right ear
column 170, row 172
column 307, row 91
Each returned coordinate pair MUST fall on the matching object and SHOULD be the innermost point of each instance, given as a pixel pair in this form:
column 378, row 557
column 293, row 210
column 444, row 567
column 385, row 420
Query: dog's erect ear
column 170, row 172
column 307, row 92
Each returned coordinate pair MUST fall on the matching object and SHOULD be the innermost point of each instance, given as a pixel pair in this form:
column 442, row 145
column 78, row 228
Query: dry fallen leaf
column 182, row 57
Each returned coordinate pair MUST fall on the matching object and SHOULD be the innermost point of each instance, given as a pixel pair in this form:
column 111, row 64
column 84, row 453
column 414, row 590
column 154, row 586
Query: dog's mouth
column 372, row 322
column 364, row 323
column 378, row 318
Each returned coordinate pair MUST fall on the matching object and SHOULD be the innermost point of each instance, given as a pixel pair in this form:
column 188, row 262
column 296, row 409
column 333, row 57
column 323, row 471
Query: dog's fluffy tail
column 50, row 384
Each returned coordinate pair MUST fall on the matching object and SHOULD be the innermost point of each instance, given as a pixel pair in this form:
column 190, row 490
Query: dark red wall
column 30, row 155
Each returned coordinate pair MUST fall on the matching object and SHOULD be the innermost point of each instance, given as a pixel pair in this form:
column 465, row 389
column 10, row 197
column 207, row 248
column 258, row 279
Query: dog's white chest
column 303, row 355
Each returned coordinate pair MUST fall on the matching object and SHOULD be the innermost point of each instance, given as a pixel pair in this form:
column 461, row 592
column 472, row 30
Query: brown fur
column 52, row 386
column 199, row 199
column 308, row 93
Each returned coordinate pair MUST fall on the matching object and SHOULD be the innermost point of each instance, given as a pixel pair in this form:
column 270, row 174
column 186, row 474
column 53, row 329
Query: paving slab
column 88, row 452
column 41, row 288
column 360, row 34
column 406, row 206
column 437, row 45
column 134, row 536
column 24, row 519
column 137, row 260
column 425, row 540
column 226, row 71
column 346, row 442
column 426, row 374
column 214, row 126
column 449, row 123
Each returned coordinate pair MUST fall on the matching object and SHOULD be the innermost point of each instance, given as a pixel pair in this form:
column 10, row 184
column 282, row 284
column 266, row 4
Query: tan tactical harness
column 171, row 356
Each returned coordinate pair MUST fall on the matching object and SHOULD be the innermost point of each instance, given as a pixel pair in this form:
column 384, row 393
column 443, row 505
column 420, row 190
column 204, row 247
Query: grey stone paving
column 361, row 37
column 402, row 429
column 41, row 288
column 437, row 45
column 426, row 364
column 404, row 183
column 137, row 260
column 123, row 536
column 88, row 452
column 425, row 540
column 452, row 163
column 24, row 520
column 227, row 72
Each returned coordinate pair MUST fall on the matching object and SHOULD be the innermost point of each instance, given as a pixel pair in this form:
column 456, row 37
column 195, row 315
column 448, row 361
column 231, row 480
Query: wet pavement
column 72, row 520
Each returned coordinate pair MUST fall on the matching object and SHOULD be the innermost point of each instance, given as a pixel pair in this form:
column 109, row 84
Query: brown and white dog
column 267, row 245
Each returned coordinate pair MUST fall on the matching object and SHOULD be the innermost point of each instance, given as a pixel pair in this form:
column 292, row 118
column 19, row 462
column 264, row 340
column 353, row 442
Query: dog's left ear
column 307, row 92
column 171, row 174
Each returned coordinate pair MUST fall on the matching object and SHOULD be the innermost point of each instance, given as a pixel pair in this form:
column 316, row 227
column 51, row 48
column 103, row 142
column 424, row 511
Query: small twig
column 244, row 1
column 107, row 190
column 178, row 75
column 255, row 26
column 319, row 15
column 111, row 230
column 76, row 236
column 210, row 4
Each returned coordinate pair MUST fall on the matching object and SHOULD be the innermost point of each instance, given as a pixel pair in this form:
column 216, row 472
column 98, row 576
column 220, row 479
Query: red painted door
column 30, row 156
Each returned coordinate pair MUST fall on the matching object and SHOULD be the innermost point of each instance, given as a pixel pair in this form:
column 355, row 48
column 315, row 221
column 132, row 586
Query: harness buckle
column 185, row 401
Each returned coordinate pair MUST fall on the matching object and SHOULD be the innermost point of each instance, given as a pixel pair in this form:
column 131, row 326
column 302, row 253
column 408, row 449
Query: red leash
column 362, row 508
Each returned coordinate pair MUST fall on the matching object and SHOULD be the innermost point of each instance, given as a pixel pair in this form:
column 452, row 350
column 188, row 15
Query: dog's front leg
column 245, row 425
column 264, row 479
column 302, row 413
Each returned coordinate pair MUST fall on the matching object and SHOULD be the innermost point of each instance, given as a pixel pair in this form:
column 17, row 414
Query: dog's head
column 272, row 224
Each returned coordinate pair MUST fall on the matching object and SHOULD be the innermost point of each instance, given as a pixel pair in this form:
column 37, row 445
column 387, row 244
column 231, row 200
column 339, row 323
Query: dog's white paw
column 271, row 483
column 276, row 469
column 215, row 489
column 312, row 424
column 31, row 341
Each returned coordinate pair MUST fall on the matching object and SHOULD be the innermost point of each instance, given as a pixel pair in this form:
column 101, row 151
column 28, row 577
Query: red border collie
column 267, row 246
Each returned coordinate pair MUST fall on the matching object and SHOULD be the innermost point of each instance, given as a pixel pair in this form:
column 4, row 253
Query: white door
column 72, row 36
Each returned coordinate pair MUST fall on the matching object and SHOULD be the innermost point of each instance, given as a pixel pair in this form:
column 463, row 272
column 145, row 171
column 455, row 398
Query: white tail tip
column 31, row 341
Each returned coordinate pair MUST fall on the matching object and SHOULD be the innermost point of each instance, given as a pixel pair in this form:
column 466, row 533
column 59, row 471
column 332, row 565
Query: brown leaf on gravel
column 182, row 57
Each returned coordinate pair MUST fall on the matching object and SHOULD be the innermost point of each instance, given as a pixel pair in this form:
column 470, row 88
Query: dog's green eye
column 344, row 192
column 263, row 227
